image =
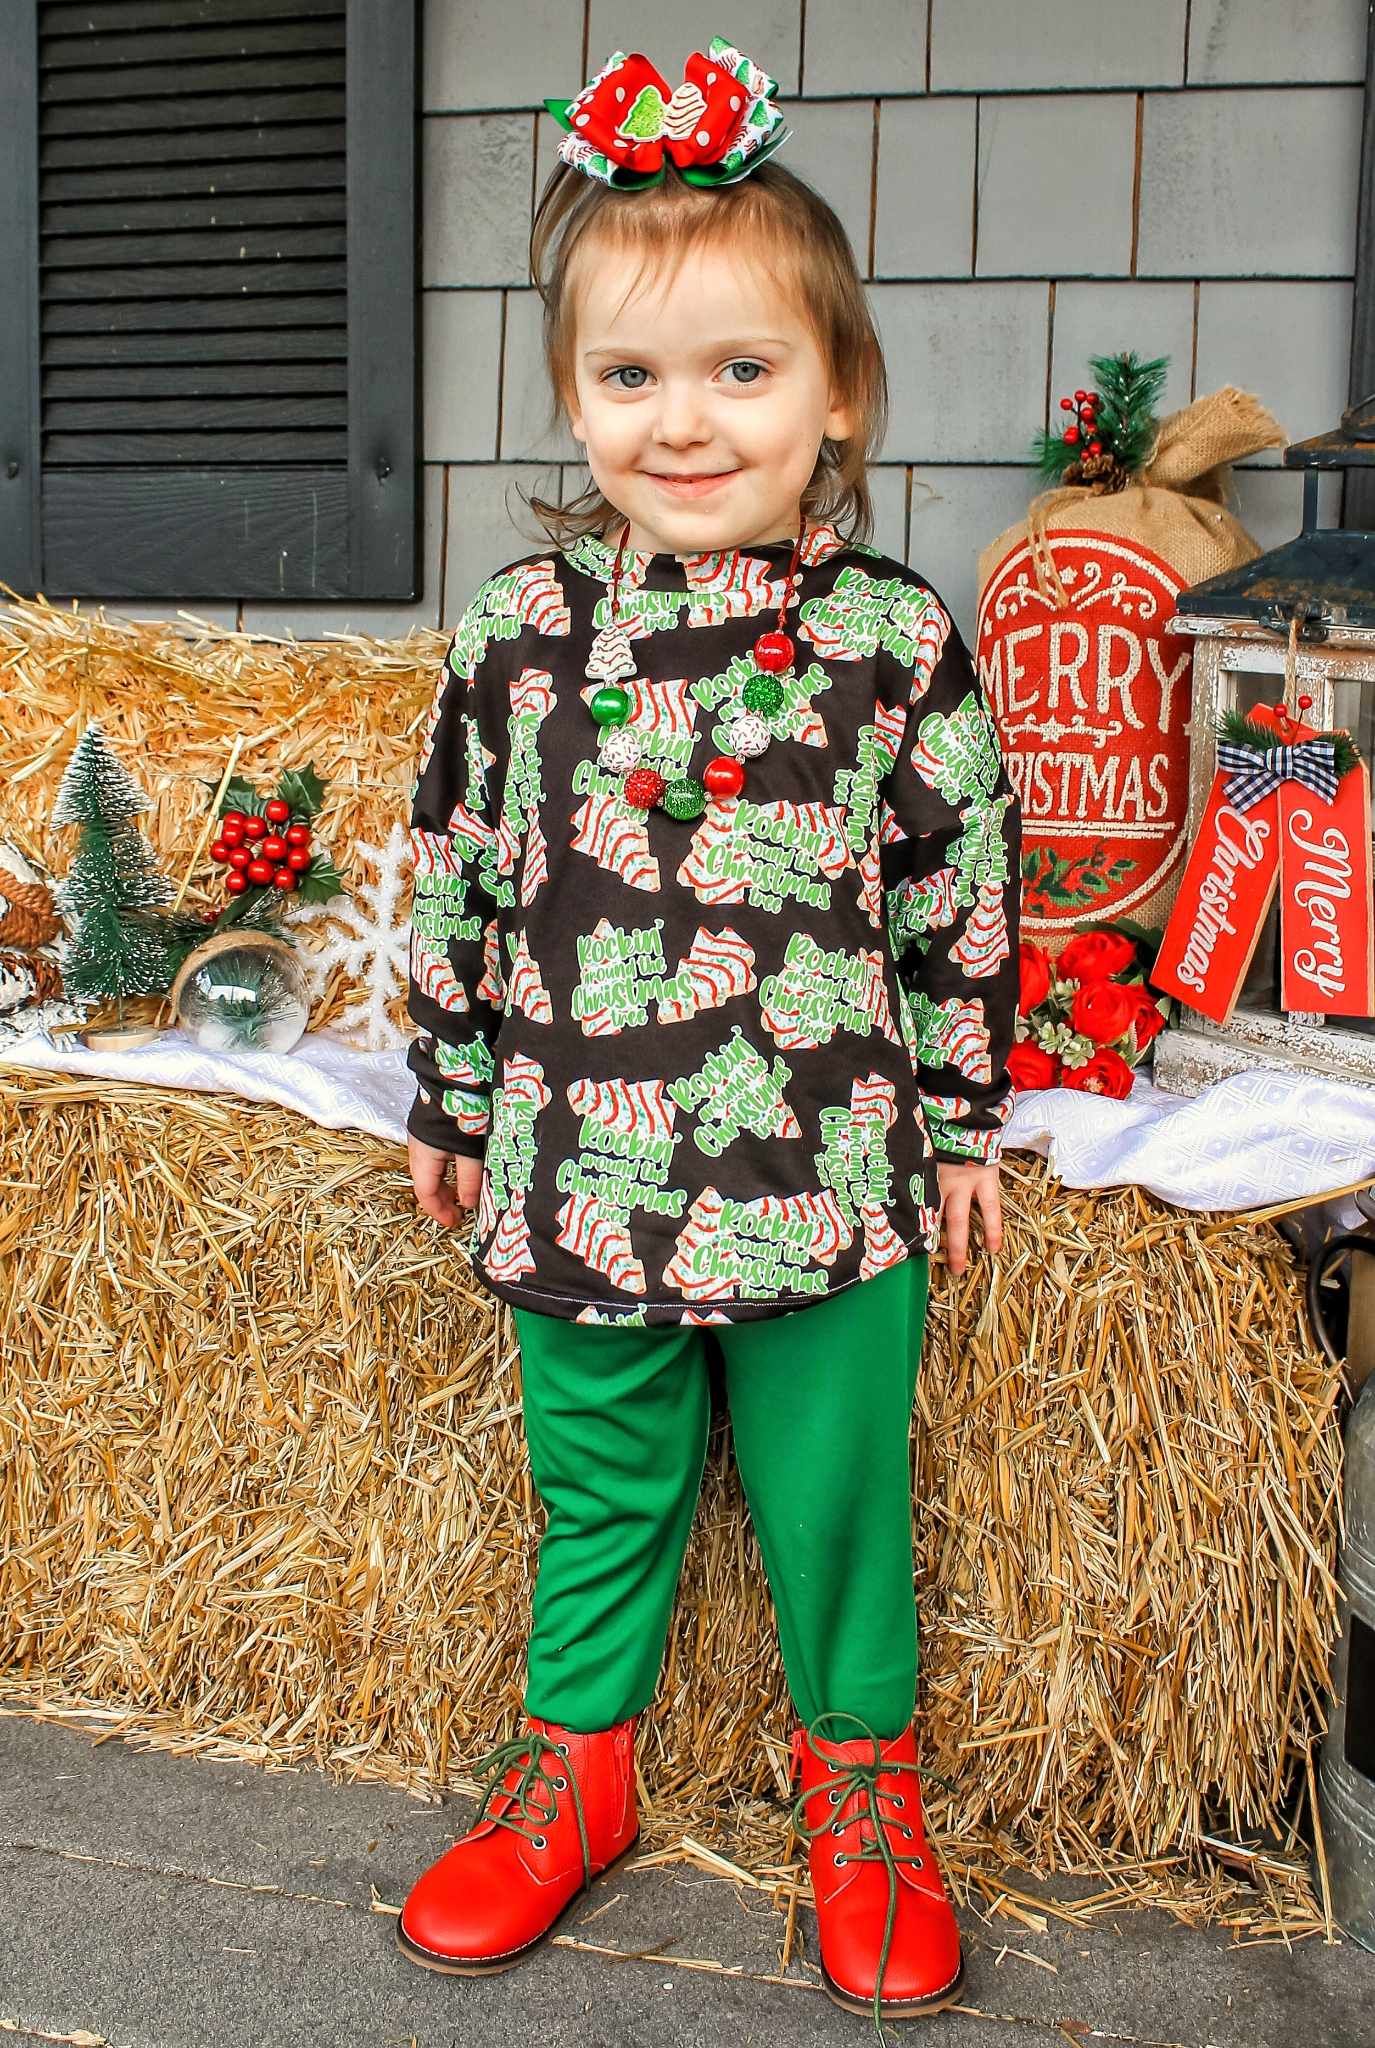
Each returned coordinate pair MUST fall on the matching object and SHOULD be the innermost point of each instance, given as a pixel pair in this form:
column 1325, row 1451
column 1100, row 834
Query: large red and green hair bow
column 717, row 126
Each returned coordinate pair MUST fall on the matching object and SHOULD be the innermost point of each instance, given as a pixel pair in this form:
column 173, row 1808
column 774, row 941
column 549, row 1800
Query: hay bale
column 265, row 1491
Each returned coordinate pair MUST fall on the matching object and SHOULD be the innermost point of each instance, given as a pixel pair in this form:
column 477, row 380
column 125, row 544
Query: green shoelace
column 529, row 1818
column 859, row 1780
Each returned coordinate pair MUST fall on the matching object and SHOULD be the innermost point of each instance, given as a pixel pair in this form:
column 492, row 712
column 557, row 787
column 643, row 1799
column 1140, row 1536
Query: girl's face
column 712, row 379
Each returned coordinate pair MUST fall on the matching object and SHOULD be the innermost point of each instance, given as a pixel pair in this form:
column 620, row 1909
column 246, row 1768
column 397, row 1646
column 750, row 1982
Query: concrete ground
column 154, row 1901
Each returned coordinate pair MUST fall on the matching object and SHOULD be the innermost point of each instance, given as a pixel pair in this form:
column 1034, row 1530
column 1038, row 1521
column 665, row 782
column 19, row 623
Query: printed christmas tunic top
column 710, row 1065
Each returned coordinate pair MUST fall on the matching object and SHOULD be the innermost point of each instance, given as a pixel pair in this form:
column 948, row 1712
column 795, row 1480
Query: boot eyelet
column 539, row 1841
column 841, row 1858
column 898, row 1798
column 833, row 1797
column 908, row 1833
column 559, row 1784
column 560, row 1749
column 835, row 1827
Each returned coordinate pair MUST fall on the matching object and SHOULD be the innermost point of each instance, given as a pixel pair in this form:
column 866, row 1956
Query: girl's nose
column 682, row 416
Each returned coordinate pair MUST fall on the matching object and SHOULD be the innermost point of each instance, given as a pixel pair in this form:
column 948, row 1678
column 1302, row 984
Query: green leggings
column 616, row 1418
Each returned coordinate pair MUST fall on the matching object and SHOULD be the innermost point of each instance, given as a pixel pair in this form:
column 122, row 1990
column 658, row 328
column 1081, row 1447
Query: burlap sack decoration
column 1090, row 691
column 1178, row 505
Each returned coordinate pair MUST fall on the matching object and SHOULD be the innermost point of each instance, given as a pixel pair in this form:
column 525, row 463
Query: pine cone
column 1102, row 473
column 30, row 919
column 25, row 979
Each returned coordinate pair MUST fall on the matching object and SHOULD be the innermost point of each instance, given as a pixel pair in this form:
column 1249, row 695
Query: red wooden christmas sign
column 1327, row 960
column 1224, row 894
column 1317, row 847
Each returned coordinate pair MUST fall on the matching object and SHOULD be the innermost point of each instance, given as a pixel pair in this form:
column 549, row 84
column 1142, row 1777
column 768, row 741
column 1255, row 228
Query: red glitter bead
column 724, row 776
column 1305, row 702
column 773, row 651
column 644, row 787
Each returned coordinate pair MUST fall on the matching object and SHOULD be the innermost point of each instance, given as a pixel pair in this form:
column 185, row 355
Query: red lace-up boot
column 559, row 1811
column 889, row 1943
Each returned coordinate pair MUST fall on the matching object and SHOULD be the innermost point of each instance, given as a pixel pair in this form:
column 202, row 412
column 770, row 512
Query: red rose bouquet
column 1086, row 1019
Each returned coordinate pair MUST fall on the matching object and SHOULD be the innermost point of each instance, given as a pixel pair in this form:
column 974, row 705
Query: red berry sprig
column 1084, row 405
column 272, row 851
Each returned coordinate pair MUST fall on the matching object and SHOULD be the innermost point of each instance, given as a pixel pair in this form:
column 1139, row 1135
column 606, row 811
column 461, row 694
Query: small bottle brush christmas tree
column 113, row 889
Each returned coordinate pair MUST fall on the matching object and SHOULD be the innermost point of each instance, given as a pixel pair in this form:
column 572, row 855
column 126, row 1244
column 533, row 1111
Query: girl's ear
column 840, row 420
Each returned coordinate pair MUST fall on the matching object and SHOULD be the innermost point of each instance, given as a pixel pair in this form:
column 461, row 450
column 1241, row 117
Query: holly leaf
column 238, row 795
column 302, row 789
column 321, row 881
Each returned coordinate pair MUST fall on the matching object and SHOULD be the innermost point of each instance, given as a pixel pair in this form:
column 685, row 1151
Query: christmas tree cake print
column 537, row 598
column 958, row 755
column 716, row 966
column 527, row 990
column 983, row 945
column 508, row 1256
column 954, row 1034
column 492, row 987
column 607, row 830
column 600, row 1238
column 699, row 1234
column 472, row 835
column 431, row 966
column 915, row 909
column 882, row 1245
column 707, row 868
column 534, row 871
column 828, row 1228
column 523, row 1081
column 871, row 886
column 638, row 1110
column 644, row 118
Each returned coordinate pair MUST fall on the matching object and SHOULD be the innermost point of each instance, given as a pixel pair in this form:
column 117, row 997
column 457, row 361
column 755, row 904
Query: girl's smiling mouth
column 690, row 486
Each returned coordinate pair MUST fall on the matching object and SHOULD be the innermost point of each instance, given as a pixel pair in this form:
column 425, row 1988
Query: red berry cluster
column 272, row 850
column 1084, row 405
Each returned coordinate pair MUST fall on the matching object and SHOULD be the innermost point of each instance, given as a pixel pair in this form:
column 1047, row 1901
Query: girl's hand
column 960, row 1185
column 433, row 1193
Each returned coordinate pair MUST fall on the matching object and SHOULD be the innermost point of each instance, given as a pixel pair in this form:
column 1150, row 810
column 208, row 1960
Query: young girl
column 714, row 964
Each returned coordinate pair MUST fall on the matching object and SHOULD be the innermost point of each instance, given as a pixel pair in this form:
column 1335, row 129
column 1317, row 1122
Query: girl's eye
column 637, row 370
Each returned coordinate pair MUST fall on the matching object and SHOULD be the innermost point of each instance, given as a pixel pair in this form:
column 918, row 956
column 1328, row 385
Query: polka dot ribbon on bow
column 717, row 126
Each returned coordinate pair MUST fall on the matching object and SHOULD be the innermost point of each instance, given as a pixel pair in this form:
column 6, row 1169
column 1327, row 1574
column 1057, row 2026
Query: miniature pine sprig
column 1114, row 426
column 1242, row 731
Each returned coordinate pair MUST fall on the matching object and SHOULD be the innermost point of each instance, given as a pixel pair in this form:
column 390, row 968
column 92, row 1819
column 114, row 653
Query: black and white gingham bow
column 1252, row 776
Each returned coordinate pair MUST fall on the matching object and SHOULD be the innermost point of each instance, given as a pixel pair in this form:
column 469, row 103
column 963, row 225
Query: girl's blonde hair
column 779, row 221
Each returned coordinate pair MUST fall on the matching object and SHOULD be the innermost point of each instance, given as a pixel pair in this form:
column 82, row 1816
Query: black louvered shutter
column 209, row 368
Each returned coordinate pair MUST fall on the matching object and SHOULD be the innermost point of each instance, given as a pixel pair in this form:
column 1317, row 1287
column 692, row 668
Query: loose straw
column 211, row 815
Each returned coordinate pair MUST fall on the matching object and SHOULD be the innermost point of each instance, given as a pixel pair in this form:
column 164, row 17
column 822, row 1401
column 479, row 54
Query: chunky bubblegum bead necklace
column 683, row 796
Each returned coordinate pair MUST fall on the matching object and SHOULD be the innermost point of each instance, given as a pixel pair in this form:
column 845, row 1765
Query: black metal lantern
column 1297, row 624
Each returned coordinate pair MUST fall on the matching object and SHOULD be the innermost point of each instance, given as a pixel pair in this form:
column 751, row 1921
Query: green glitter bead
column 763, row 694
column 610, row 704
column 684, row 797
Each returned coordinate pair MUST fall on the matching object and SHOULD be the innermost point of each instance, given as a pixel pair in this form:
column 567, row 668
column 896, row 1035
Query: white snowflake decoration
column 368, row 937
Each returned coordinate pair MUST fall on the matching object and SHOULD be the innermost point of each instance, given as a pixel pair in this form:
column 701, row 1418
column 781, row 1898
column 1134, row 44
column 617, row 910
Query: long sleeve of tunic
column 710, row 1066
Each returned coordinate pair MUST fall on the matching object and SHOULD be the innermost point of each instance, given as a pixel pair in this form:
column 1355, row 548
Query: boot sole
column 456, row 1967
column 908, row 2009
